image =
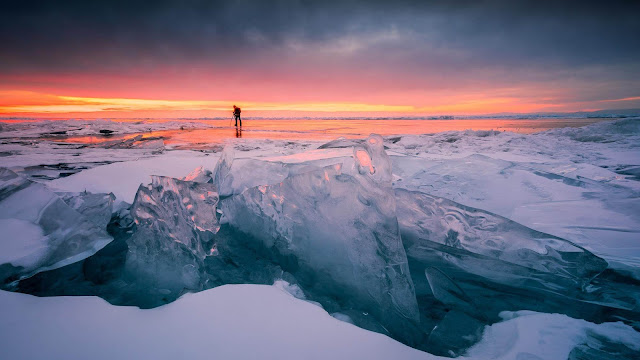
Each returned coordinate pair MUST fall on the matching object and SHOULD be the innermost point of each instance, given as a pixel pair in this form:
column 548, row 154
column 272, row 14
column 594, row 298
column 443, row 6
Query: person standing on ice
column 236, row 115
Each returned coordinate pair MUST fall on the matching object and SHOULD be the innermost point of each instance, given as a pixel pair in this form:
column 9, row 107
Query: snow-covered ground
column 255, row 322
column 580, row 184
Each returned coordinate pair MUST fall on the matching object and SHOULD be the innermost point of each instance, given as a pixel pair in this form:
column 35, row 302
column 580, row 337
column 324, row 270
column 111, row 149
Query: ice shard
column 233, row 176
column 222, row 169
column 136, row 142
column 455, row 333
column 425, row 219
column 44, row 230
column 341, row 142
column 471, row 254
column 336, row 231
column 96, row 207
column 248, row 173
column 447, row 292
column 199, row 174
column 175, row 221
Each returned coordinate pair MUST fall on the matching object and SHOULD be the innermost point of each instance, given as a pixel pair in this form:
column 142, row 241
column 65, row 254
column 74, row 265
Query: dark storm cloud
column 95, row 35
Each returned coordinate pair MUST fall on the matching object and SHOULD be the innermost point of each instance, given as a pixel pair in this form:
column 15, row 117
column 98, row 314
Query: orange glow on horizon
column 21, row 102
column 29, row 103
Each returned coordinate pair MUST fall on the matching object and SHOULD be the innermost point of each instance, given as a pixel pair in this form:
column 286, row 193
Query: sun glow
column 30, row 103
column 21, row 102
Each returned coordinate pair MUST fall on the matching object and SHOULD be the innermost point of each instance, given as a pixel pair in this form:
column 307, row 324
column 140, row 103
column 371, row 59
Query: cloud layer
column 400, row 53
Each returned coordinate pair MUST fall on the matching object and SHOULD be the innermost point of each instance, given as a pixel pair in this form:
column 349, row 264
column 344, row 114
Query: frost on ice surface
column 57, row 233
column 175, row 221
column 335, row 230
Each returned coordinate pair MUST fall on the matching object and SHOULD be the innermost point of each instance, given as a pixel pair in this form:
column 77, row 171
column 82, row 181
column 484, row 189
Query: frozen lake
column 442, row 234
column 321, row 129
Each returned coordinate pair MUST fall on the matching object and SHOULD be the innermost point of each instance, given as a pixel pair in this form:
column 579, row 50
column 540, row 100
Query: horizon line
column 603, row 113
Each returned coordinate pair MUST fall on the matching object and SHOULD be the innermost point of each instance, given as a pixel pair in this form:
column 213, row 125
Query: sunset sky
column 113, row 59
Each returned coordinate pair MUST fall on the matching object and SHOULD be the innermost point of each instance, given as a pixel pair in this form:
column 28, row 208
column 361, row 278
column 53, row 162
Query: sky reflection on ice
column 315, row 129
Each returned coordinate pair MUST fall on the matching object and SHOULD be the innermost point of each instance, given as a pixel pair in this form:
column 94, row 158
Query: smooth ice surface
column 338, row 227
column 66, row 236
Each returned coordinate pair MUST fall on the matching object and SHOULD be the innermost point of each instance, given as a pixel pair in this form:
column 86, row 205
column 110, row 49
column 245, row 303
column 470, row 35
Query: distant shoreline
column 356, row 118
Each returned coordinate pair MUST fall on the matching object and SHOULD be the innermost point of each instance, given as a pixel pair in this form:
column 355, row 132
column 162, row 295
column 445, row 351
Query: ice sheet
column 578, row 184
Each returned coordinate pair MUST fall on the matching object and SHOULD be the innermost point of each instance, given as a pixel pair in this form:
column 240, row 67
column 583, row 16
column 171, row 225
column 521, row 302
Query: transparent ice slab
column 336, row 231
column 68, row 233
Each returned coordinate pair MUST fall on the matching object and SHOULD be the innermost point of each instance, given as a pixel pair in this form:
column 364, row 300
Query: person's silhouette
column 236, row 114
